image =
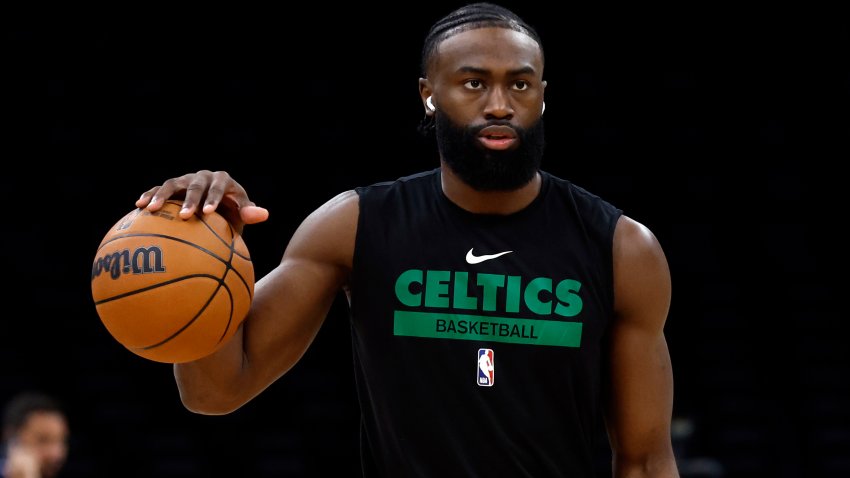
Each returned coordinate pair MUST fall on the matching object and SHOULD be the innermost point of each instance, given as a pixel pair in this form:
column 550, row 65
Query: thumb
column 253, row 214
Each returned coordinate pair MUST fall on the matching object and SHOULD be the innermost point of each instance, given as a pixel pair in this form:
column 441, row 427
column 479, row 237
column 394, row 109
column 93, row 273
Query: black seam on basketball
column 193, row 319
column 229, row 293
column 164, row 236
column 224, row 241
column 238, row 274
column 221, row 284
column 229, row 317
column 155, row 286
column 230, row 245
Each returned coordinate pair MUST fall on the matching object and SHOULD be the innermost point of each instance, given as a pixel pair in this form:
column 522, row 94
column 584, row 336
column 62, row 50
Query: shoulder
column 598, row 216
column 641, row 272
column 582, row 197
column 635, row 241
column 327, row 234
column 338, row 212
column 344, row 208
column 343, row 204
column 419, row 179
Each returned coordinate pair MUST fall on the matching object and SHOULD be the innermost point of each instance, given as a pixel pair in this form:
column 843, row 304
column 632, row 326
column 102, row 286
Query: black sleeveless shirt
column 478, row 339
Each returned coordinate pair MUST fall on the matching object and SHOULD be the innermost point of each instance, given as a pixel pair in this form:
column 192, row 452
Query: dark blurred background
column 724, row 131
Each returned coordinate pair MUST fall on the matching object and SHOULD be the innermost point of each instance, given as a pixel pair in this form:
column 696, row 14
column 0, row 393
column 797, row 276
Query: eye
column 521, row 85
column 474, row 84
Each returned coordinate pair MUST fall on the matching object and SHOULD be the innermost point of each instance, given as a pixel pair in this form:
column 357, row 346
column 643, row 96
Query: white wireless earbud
column 429, row 104
column 543, row 109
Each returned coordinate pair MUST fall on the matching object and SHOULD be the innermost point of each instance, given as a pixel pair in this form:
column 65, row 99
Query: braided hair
column 469, row 17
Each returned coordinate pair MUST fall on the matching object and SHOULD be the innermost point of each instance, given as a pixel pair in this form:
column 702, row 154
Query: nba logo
column 486, row 369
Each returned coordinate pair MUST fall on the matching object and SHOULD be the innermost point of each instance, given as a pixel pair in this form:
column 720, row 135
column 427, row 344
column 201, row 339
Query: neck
column 487, row 202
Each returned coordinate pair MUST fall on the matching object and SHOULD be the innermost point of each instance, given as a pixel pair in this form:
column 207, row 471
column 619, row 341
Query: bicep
column 641, row 381
column 291, row 302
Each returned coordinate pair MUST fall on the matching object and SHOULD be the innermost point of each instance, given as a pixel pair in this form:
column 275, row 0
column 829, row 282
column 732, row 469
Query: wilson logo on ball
column 143, row 260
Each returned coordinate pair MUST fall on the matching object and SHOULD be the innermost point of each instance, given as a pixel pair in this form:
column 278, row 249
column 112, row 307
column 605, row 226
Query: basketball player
column 35, row 437
column 486, row 253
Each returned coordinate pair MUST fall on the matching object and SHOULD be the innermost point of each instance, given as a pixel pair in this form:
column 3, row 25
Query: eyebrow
column 526, row 70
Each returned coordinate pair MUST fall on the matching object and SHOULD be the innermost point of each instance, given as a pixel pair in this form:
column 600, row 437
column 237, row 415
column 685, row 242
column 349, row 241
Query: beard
column 485, row 169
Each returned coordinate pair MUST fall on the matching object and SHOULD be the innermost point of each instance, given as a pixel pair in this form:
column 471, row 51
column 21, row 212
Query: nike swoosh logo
column 473, row 259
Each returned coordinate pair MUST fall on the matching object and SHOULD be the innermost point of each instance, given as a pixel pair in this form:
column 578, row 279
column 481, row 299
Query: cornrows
column 471, row 17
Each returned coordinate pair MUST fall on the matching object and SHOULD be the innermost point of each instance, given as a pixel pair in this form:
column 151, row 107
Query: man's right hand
column 21, row 463
column 213, row 190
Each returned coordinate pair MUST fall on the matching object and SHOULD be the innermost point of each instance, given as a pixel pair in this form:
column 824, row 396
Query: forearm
column 285, row 317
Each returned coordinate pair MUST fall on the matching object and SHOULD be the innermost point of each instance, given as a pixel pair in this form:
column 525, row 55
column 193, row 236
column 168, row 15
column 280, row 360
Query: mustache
column 496, row 122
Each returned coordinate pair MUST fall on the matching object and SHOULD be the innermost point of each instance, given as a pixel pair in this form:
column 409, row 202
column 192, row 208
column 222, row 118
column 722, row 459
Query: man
column 35, row 437
column 484, row 260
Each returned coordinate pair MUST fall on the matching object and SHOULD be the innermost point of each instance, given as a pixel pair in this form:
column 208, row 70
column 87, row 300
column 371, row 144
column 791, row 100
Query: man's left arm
column 639, row 401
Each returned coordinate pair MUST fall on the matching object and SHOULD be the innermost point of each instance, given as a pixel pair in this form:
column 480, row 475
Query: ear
column 425, row 92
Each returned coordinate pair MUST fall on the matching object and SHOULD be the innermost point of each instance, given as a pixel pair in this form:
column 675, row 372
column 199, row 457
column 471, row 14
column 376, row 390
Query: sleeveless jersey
column 478, row 339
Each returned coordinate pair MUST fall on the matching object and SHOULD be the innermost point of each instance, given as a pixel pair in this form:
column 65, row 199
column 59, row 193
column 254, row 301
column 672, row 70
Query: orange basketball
column 172, row 290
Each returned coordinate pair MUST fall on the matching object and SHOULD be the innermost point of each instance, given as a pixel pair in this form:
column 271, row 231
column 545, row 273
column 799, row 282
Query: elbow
column 199, row 394
column 656, row 464
column 208, row 403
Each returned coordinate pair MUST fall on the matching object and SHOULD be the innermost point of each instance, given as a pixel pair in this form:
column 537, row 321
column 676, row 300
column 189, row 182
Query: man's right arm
column 289, row 306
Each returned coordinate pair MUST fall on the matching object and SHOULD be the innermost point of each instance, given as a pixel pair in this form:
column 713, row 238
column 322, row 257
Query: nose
column 498, row 105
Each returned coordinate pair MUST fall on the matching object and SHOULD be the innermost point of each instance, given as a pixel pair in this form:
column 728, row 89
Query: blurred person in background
column 35, row 437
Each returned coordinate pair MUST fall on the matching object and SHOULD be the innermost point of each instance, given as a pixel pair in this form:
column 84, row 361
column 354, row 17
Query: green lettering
column 402, row 288
column 490, row 284
column 461, row 299
column 437, row 289
column 532, row 296
column 569, row 302
column 559, row 333
column 512, row 294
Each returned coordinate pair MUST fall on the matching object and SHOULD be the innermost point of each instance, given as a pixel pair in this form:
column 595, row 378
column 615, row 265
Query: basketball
column 172, row 290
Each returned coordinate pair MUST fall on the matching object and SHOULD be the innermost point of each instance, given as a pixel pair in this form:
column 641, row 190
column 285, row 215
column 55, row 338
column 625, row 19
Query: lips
column 497, row 137
column 498, row 132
